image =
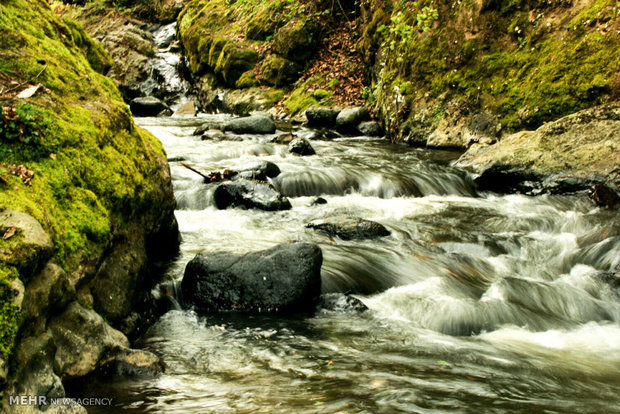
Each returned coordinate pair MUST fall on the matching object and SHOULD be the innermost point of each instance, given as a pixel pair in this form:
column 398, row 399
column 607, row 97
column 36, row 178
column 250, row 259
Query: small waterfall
column 167, row 80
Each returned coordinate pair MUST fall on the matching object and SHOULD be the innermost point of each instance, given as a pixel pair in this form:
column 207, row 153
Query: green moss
column 247, row 80
column 274, row 95
column 306, row 95
column 233, row 61
column 98, row 58
column 199, row 24
column 278, row 71
column 297, row 40
column 321, row 94
column 516, row 64
column 94, row 170
column 9, row 313
column 268, row 17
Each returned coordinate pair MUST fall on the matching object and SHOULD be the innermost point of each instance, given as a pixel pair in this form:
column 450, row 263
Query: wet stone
column 147, row 106
column 301, row 146
column 256, row 124
column 370, row 129
column 322, row 117
column 284, row 278
column 249, row 194
column 349, row 228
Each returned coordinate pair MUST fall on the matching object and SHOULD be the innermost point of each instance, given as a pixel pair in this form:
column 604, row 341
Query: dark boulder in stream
column 301, row 146
column 322, row 117
column 349, row 228
column 256, row 124
column 370, row 129
column 283, row 278
column 250, row 195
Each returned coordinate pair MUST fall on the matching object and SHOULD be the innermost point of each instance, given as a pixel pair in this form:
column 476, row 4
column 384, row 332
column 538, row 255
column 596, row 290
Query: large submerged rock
column 349, row 228
column 250, row 195
column 285, row 278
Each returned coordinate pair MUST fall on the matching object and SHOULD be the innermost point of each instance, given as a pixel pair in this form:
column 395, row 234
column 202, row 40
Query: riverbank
column 462, row 94
column 86, row 209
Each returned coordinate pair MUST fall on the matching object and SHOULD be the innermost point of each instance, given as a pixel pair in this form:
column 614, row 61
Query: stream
column 476, row 302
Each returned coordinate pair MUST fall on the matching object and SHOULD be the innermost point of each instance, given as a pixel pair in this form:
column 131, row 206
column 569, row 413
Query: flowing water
column 165, row 80
column 476, row 302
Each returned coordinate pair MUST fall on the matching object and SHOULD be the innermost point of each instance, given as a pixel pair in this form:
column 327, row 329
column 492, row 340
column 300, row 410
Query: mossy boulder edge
column 99, row 188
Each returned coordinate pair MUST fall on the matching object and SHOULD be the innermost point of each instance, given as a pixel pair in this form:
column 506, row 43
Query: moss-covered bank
column 262, row 47
column 101, row 185
column 525, row 61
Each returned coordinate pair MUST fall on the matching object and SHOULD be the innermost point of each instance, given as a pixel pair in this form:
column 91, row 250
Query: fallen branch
column 206, row 177
column 214, row 177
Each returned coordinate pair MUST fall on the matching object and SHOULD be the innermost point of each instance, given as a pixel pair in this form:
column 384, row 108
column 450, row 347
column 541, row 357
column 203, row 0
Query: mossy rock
column 216, row 45
column 234, row 60
column 95, row 171
column 266, row 21
column 278, row 71
column 198, row 23
column 9, row 312
column 525, row 70
column 297, row 40
column 98, row 58
column 299, row 100
column 29, row 248
column 244, row 101
column 247, row 80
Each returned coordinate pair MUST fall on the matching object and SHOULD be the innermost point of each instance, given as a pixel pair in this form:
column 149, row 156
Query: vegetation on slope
column 91, row 170
column 281, row 44
column 527, row 61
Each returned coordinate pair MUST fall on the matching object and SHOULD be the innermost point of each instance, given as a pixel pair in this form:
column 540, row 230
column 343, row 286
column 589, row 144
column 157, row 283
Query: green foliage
column 399, row 34
column 19, row 124
column 94, row 170
column 426, row 17
column 366, row 93
column 517, row 61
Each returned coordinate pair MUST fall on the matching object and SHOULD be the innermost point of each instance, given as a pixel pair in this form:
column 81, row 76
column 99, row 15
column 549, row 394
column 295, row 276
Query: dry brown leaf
column 23, row 172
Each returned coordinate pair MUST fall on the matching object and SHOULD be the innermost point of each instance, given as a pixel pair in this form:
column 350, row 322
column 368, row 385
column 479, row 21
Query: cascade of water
column 166, row 80
column 476, row 302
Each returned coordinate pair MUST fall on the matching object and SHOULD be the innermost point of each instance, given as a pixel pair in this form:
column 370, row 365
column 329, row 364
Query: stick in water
column 207, row 178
